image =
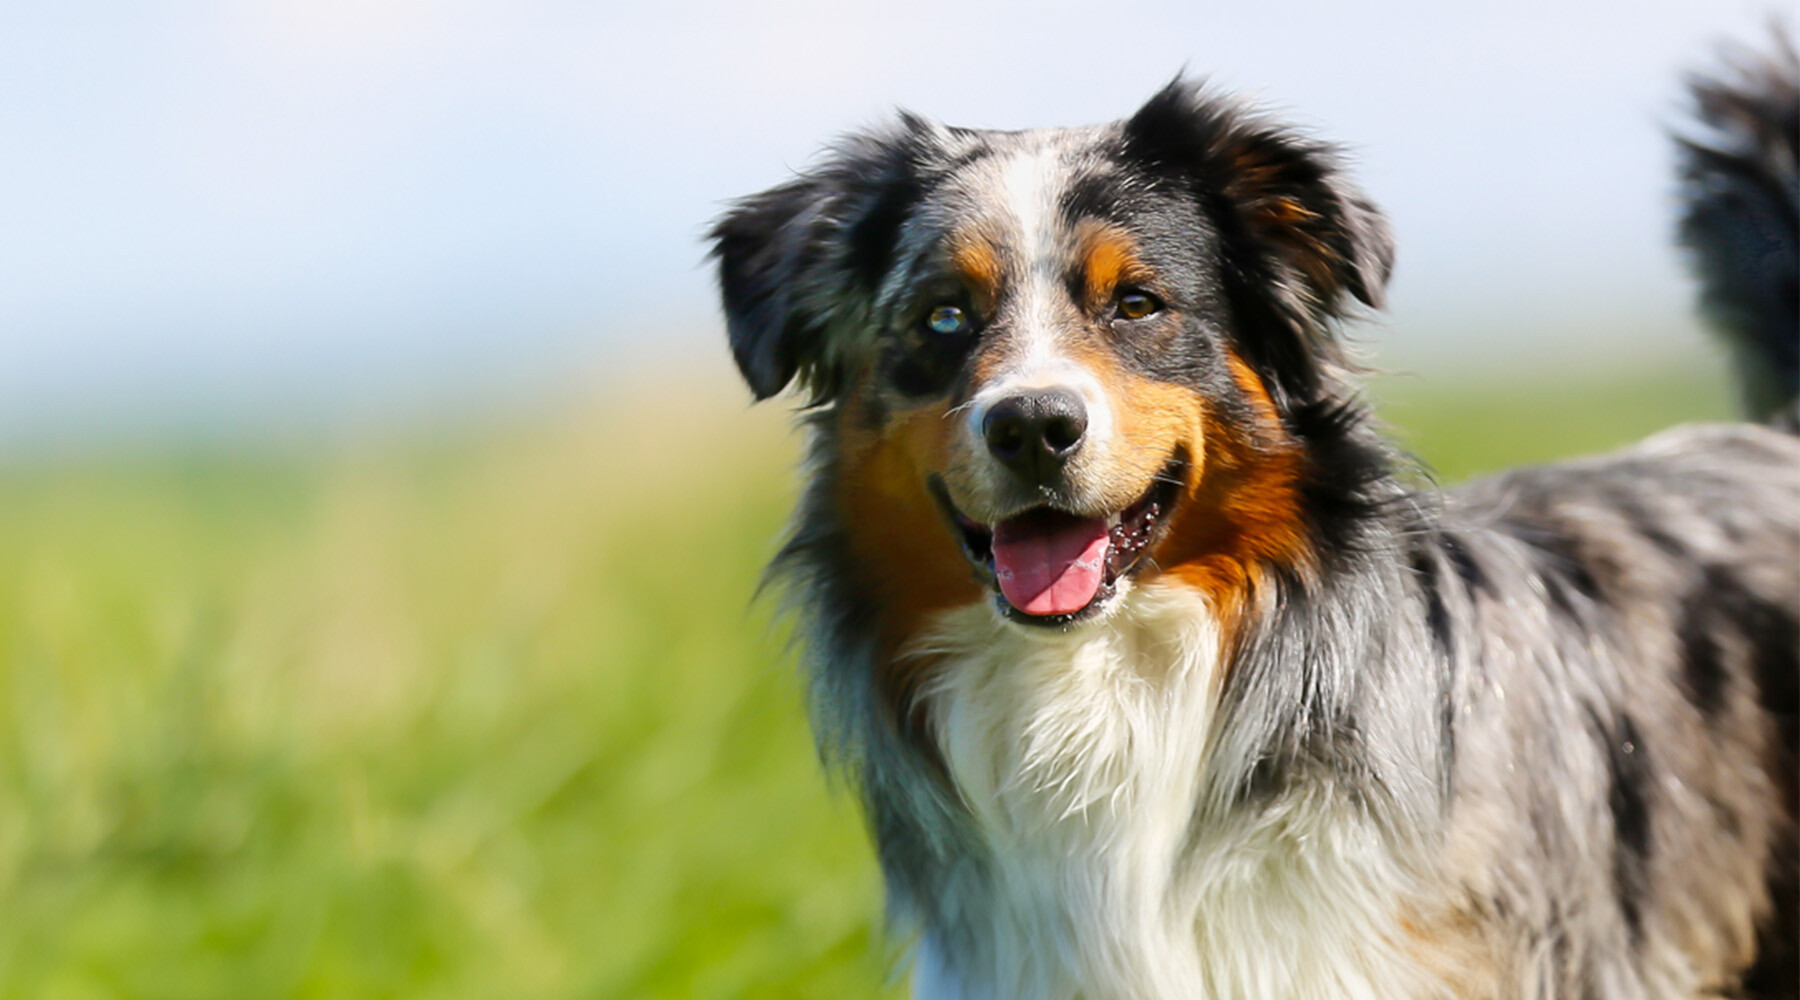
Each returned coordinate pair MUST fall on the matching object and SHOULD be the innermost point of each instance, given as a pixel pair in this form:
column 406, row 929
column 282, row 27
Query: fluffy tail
column 1740, row 188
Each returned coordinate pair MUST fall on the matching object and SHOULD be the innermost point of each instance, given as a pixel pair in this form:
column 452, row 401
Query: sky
column 234, row 214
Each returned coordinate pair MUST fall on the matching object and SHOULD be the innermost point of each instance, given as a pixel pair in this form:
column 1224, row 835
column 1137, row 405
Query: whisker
column 954, row 410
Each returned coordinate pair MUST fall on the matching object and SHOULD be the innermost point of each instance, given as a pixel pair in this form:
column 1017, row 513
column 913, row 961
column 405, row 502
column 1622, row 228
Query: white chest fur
column 1082, row 754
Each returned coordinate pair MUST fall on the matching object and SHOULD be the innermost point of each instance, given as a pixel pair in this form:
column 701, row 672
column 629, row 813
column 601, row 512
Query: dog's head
column 1074, row 355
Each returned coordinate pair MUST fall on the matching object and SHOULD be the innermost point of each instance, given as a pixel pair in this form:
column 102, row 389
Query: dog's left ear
column 1298, row 240
column 799, row 264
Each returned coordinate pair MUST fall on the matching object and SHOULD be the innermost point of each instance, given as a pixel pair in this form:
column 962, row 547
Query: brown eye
column 1137, row 305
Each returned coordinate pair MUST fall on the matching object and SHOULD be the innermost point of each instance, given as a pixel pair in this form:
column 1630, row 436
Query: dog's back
column 1640, row 629
column 1621, row 637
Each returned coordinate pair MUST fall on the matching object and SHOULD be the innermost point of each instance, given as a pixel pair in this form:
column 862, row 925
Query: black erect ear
column 799, row 264
column 1298, row 239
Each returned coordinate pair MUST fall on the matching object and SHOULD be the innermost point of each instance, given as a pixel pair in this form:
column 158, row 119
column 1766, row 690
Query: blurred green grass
column 476, row 716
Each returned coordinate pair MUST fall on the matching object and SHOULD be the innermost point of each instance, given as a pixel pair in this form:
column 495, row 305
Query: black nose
column 1036, row 433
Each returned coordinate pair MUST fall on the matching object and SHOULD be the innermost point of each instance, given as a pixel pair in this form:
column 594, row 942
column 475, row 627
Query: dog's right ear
column 799, row 264
column 764, row 246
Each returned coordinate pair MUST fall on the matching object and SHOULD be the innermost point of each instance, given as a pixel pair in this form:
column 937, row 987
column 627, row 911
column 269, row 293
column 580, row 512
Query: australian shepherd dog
column 1162, row 674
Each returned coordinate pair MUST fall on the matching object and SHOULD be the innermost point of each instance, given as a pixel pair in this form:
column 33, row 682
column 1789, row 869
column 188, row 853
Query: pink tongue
column 1048, row 562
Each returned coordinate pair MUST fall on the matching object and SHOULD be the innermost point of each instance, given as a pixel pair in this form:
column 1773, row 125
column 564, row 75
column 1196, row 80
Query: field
column 476, row 715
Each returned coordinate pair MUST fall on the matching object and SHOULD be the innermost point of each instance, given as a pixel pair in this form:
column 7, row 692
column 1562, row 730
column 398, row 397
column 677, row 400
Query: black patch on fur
column 925, row 365
column 1628, row 797
column 871, row 238
column 1718, row 604
column 1557, row 590
column 1662, row 540
column 1648, row 526
column 1775, row 635
column 1330, row 745
column 1702, row 661
column 1437, row 616
column 1474, row 578
column 1092, row 196
column 1342, row 487
column 1443, row 641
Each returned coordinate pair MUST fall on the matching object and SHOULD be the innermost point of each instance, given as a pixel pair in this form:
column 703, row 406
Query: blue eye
column 947, row 320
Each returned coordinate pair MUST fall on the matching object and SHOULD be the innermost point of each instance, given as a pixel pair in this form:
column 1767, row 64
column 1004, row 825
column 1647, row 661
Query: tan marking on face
column 1152, row 420
column 903, row 557
column 1108, row 260
column 1242, row 508
column 973, row 258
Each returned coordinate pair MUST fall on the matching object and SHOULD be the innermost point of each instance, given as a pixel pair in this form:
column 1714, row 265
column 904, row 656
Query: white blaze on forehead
column 1031, row 182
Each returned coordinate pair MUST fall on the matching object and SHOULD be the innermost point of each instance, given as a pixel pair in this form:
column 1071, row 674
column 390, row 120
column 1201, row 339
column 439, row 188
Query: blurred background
column 379, row 515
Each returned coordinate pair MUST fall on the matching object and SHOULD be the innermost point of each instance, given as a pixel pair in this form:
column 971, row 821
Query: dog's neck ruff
column 1081, row 757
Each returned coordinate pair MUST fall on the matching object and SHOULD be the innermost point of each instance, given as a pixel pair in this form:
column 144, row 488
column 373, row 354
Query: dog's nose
column 1036, row 433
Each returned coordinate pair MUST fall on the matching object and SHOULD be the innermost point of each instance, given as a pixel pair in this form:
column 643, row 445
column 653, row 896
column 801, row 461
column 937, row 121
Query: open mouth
column 1051, row 567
